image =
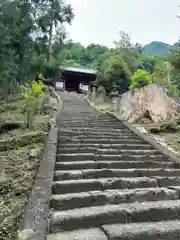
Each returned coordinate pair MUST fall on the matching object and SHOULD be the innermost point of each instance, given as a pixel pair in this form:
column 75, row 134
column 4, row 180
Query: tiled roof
column 79, row 69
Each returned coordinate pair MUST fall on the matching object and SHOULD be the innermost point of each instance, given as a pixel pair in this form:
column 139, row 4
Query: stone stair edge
column 147, row 138
column 34, row 222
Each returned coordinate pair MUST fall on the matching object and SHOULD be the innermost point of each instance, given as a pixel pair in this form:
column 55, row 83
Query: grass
column 18, row 165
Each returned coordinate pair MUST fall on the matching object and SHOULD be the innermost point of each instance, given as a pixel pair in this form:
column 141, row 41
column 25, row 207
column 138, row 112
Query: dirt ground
column 18, row 166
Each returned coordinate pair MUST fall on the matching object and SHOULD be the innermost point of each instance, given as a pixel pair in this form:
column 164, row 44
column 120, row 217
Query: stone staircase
column 108, row 183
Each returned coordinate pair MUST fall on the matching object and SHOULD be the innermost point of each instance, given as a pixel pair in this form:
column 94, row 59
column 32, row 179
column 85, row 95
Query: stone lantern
column 94, row 86
column 114, row 96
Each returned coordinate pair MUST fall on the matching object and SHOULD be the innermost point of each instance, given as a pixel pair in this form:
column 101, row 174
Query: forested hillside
column 157, row 48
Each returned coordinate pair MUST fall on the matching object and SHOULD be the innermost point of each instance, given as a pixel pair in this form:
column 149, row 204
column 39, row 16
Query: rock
column 141, row 129
column 26, row 234
column 34, row 153
column 152, row 102
column 3, row 179
column 154, row 130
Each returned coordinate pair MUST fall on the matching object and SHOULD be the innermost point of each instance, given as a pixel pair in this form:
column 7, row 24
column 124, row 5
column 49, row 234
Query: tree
column 115, row 70
column 128, row 51
column 50, row 18
column 140, row 79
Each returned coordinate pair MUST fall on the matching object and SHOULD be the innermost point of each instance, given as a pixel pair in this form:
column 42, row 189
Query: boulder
column 153, row 102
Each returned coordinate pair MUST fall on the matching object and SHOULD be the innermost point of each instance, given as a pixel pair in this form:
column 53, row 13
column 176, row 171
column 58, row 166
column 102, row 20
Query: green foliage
column 115, row 70
column 27, row 39
column 140, row 79
column 34, row 97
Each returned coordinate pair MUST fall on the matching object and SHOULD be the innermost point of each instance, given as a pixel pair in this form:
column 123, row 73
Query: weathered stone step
column 109, row 151
column 99, row 135
column 166, row 230
column 120, row 173
column 66, row 140
column 85, row 234
column 65, row 157
column 112, row 127
column 84, row 185
column 113, row 164
column 110, row 214
column 94, row 130
column 97, row 198
column 107, row 146
column 95, row 121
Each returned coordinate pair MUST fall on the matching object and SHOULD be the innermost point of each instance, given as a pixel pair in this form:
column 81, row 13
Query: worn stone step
column 84, row 234
column 65, row 140
column 97, row 198
column 105, row 146
column 66, row 157
column 129, row 157
column 166, row 230
column 112, row 164
column 110, row 214
column 87, row 124
column 84, row 185
column 99, row 135
column 92, row 124
column 108, row 173
column 109, row 151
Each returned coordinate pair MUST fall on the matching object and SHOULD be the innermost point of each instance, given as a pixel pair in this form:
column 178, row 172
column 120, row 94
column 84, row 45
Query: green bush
column 140, row 79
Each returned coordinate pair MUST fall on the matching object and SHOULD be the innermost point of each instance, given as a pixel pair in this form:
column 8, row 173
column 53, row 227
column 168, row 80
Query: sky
column 99, row 21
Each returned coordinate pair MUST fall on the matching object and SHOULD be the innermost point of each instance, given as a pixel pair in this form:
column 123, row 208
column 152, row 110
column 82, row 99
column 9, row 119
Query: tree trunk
column 51, row 34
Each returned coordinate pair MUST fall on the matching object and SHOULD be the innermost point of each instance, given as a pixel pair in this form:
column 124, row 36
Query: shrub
column 140, row 79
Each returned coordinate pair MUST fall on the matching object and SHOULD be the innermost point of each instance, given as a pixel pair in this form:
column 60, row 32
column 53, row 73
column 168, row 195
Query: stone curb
column 35, row 221
column 147, row 138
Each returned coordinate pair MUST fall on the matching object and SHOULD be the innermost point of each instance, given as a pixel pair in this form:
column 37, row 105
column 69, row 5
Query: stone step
column 120, row 173
column 85, row 234
column 65, row 140
column 166, row 230
column 113, row 164
column 99, row 135
column 84, row 185
column 105, row 146
column 97, row 198
column 109, row 151
column 66, row 157
column 110, row 214
column 82, row 125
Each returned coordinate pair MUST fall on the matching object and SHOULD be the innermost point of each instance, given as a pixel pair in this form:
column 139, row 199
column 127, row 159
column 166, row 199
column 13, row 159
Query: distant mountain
column 158, row 48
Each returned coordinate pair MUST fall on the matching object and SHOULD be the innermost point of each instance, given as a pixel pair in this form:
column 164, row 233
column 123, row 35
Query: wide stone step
column 108, row 128
column 113, row 164
column 108, row 173
column 66, row 157
column 84, row 185
column 166, row 230
column 110, row 214
column 97, row 198
column 99, row 135
column 109, row 151
column 85, row 234
column 65, row 140
column 105, row 146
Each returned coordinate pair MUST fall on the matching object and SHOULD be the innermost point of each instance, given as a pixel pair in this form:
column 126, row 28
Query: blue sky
column 99, row 21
